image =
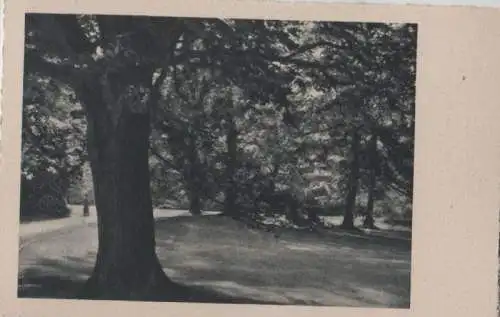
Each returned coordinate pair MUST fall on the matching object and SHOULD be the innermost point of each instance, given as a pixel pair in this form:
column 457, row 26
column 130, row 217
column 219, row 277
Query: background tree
column 372, row 68
column 53, row 147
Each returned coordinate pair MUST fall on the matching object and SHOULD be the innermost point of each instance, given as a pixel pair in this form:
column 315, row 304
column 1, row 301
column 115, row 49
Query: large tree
column 116, row 67
column 112, row 64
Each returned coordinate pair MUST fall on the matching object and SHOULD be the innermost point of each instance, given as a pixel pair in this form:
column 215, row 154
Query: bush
column 43, row 197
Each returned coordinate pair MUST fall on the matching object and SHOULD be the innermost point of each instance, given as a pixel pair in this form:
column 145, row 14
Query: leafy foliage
column 286, row 95
column 53, row 146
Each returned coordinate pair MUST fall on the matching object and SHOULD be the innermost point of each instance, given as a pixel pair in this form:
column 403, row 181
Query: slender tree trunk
column 194, row 197
column 85, row 207
column 267, row 196
column 352, row 191
column 195, row 204
column 293, row 211
column 312, row 216
column 192, row 179
column 230, row 208
column 369, row 222
column 126, row 267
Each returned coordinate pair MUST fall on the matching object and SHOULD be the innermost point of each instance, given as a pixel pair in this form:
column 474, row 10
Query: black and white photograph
column 217, row 160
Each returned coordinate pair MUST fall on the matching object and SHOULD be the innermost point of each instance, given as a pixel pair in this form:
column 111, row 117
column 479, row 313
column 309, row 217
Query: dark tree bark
column 194, row 196
column 195, row 203
column 126, row 267
column 352, row 191
column 85, row 206
column 368, row 221
column 230, row 208
column 312, row 216
column 293, row 210
column 192, row 178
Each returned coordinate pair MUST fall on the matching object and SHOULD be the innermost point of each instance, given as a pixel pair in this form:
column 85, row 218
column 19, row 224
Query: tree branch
column 155, row 93
column 309, row 47
column 166, row 162
column 35, row 64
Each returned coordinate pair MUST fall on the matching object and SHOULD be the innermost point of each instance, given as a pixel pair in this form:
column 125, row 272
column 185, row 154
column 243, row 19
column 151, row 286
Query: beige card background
column 457, row 164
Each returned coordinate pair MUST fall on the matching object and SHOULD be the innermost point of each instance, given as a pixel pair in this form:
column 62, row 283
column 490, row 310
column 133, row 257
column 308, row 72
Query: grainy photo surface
column 217, row 160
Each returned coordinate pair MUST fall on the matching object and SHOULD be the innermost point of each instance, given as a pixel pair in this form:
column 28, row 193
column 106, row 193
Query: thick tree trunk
column 230, row 208
column 126, row 267
column 352, row 191
column 369, row 222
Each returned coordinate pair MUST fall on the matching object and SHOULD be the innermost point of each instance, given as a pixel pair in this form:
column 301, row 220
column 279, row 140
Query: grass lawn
column 242, row 265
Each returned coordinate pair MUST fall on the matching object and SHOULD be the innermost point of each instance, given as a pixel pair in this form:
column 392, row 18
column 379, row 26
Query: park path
column 43, row 245
column 37, row 230
column 45, row 230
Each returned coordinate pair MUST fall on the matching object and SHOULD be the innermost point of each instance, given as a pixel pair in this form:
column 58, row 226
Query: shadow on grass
column 209, row 265
column 330, row 268
column 64, row 279
column 48, row 286
column 221, row 225
column 51, row 286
